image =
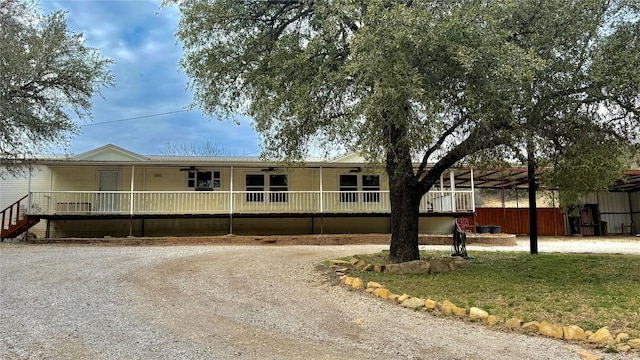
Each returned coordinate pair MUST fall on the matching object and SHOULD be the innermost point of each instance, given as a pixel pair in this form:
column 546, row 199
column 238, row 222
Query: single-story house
column 111, row 191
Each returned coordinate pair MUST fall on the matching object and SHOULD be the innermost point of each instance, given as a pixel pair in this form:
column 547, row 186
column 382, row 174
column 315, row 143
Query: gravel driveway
column 221, row 302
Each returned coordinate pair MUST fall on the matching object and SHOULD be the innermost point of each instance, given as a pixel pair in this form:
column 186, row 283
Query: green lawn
column 587, row 290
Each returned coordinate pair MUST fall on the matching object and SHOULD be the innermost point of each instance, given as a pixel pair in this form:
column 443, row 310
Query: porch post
column 29, row 193
column 453, row 189
column 473, row 193
column 231, row 202
column 321, row 204
column 321, row 200
column 441, row 193
column 133, row 169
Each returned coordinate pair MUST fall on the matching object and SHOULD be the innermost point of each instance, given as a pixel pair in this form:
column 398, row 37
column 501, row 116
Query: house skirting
column 271, row 224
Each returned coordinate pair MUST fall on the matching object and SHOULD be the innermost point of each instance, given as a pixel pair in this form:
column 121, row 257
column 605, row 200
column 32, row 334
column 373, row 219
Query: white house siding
column 13, row 188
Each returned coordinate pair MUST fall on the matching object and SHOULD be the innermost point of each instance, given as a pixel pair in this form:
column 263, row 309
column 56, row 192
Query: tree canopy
column 46, row 75
column 408, row 82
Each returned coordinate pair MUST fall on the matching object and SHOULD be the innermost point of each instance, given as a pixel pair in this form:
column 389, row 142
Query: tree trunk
column 405, row 203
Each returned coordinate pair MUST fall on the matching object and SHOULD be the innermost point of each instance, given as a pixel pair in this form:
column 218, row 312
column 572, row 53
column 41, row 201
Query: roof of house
column 513, row 177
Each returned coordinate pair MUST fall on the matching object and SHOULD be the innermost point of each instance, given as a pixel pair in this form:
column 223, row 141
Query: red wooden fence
column 516, row 221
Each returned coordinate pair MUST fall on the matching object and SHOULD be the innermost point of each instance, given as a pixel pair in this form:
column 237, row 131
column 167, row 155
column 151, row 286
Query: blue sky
column 139, row 37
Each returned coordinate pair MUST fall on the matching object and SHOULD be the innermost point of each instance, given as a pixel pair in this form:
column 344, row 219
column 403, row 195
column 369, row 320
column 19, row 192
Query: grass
column 590, row 291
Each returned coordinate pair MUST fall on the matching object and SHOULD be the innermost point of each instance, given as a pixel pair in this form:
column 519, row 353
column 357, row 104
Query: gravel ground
column 230, row 302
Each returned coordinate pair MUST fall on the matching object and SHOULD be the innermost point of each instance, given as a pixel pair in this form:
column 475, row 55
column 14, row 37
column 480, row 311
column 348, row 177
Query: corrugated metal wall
column 635, row 209
column 516, row 221
column 614, row 209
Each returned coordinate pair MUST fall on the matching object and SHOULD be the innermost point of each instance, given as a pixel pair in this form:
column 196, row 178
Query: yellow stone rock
column 514, row 323
column 602, row 337
column 354, row 261
column 357, row 283
column 339, row 263
column 622, row 337
column 370, row 290
column 360, row 265
column 403, row 297
column 382, row 293
column 478, row 314
column 348, row 280
column 394, row 297
column 378, row 268
column 573, row 332
column 447, row 307
column 373, row 284
column 623, row 347
column 634, row 343
column 430, row 304
column 459, row 311
column 492, row 320
column 532, row 326
column 552, row 330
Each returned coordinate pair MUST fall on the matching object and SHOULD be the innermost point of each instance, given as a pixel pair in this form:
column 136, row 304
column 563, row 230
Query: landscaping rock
column 409, row 267
column 394, row 298
column 623, row 347
column 360, row 265
column 513, row 323
column 348, row 280
column 574, row 332
column 602, row 337
column 440, row 265
column 373, row 284
column 413, row 303
column 339, row 263
column 403, row 297
column 548, row 329
column 382, row 293
column 430, row 304
column 450, row 308
column 353, row 260
column 622, row 337
column 634, row 343
column 378, row 268
column 478, row 314
column 369, row 267
column 531, row 326
column 492, row 320
column 357, row 283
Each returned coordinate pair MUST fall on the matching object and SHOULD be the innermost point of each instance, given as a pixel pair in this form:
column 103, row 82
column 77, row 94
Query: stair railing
column 13, row 212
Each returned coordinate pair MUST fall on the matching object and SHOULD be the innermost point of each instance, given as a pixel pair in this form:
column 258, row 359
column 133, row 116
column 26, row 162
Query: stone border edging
column 601, row 338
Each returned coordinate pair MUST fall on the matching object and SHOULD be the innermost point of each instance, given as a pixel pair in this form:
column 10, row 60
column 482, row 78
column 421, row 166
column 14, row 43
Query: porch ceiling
column 517, row 177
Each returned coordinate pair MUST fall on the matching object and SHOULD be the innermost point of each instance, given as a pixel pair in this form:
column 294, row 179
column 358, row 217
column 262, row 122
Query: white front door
column 107, row 200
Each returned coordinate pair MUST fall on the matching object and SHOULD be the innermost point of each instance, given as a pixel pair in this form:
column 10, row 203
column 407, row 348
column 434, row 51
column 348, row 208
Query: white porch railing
column 244, row 202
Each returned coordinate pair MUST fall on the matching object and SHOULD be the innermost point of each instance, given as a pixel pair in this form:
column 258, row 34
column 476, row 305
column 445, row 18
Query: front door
column 108, row 201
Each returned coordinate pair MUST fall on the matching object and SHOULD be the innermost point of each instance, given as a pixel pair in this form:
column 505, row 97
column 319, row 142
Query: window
column 203, row 180
column 371, row 188
column 255, row 188
column 348, row 188
column 278, row 187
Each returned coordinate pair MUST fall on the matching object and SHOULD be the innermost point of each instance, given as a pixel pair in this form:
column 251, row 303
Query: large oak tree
column 47, row 73
column 408, row 82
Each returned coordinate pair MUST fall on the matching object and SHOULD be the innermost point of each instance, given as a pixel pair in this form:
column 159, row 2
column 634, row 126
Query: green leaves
column 46, row 73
